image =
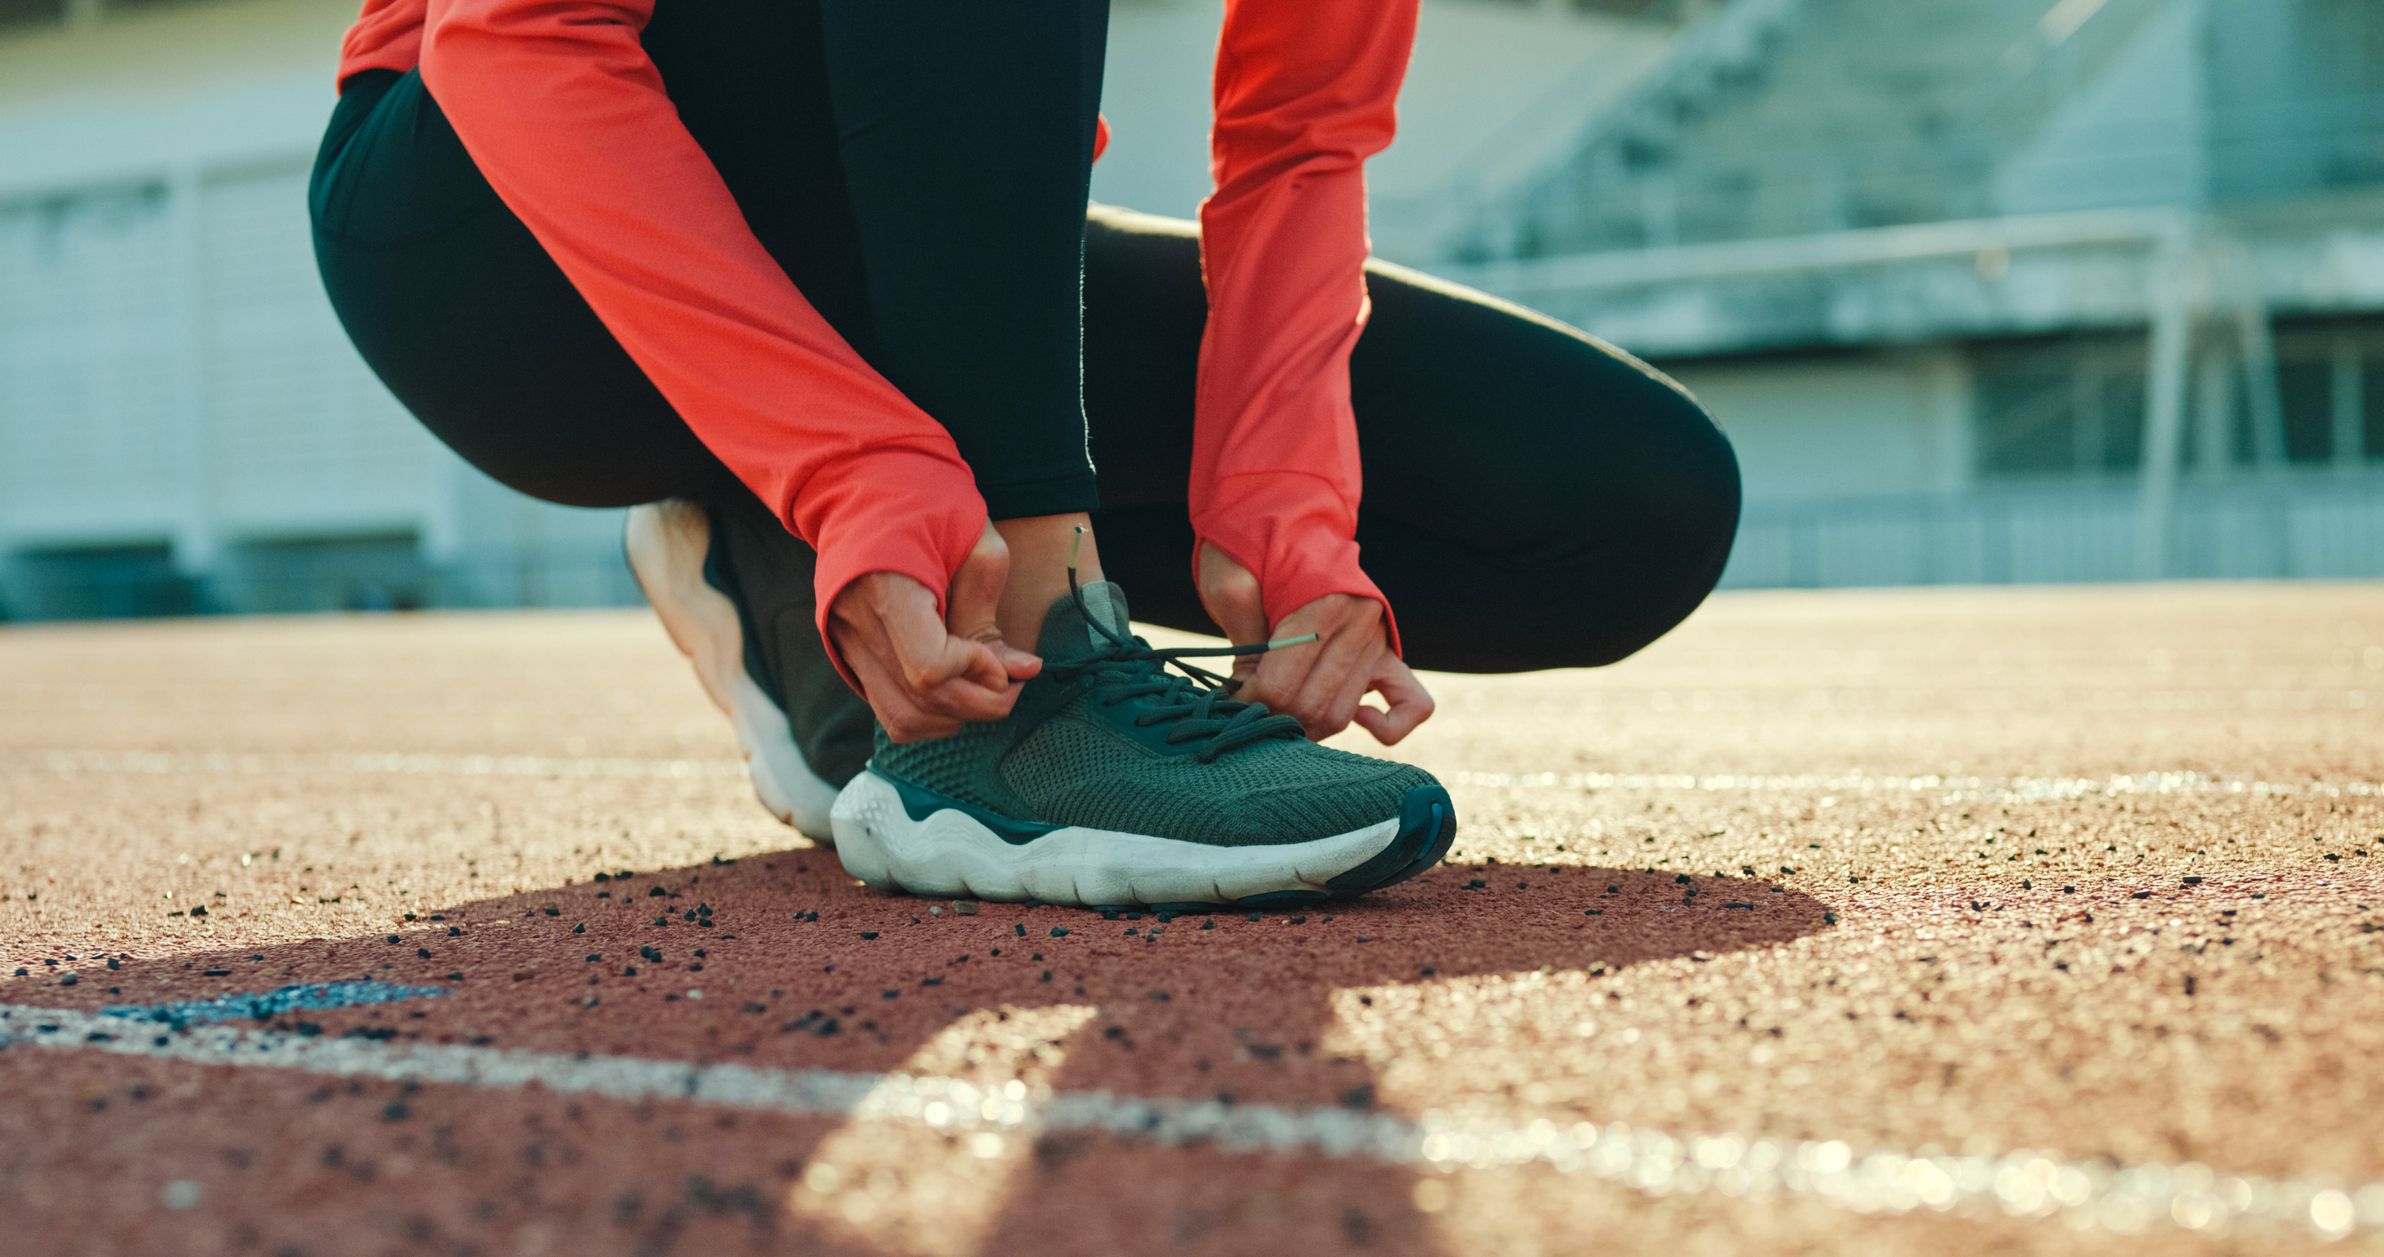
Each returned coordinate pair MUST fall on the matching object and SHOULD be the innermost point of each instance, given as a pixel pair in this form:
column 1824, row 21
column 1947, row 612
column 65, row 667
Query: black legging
column 1534, row 497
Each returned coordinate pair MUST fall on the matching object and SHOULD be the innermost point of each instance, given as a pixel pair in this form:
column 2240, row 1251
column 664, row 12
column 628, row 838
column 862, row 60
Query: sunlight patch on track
column 934, row 1186
column 2095, row 1195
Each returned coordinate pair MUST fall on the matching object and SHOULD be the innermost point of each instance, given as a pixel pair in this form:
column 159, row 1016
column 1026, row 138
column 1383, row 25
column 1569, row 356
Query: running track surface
column 1982, row 921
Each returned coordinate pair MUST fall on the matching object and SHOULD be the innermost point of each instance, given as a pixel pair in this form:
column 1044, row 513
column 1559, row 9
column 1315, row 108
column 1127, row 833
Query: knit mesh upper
column 1066, row 756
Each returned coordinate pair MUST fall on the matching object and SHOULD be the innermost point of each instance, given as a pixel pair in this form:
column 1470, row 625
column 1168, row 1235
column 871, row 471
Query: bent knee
column 1706, row 489
column 1650, row 545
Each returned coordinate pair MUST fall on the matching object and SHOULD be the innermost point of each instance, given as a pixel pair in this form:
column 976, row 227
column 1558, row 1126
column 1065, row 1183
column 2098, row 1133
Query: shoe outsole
column 666, row 544
column 898, row 843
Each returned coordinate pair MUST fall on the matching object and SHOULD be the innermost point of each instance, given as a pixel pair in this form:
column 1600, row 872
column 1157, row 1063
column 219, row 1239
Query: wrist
column 1294, row 566
column 911, row 514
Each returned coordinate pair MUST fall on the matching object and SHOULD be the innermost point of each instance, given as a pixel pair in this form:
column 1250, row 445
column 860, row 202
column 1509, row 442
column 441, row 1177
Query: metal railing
column 2302, row 525
column 2294, row 525
column 1590, row 195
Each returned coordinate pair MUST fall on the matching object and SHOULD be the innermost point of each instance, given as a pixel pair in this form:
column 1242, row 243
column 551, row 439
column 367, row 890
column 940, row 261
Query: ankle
column 1039, row 549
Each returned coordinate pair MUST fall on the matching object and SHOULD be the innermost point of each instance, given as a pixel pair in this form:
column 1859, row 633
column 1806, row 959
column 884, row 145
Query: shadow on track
column 779, row 960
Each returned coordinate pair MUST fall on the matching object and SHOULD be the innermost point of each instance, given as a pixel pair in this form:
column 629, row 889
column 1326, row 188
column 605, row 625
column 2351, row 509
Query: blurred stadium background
column 1985, row 290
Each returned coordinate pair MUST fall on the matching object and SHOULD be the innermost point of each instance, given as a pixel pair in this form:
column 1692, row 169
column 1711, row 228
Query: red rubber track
column 1887, row 869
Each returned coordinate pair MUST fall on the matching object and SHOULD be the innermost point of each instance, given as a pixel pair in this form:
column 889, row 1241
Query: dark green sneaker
column 1117, row 782
column 733, row 588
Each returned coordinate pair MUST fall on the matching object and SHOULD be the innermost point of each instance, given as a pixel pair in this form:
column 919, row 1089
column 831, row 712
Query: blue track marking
column 309, row 997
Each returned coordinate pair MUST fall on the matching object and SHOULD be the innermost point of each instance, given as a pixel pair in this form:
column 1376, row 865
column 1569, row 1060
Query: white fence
column 2291, row 525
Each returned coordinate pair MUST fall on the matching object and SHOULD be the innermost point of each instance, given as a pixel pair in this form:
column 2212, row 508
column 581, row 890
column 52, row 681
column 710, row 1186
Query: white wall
column 1858, row 425
column 169, row 367
column 230, row 81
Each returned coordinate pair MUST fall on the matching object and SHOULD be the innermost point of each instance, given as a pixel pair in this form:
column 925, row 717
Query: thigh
column 1534, row 497
column 965, row 136
column 472, row 327
column 476, row 331
column 749, row 80
column 1475, row 416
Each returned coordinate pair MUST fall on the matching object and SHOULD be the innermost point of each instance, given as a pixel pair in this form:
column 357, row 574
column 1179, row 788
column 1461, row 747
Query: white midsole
column 953, row 853
column 667, row 542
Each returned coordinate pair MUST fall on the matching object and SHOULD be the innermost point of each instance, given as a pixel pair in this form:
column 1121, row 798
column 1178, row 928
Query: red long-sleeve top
column 565, row 115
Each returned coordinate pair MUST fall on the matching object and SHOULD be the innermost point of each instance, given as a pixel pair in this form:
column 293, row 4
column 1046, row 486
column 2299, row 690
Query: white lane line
column 2020, row 1184
column 919, row 1191
column 2001, row 789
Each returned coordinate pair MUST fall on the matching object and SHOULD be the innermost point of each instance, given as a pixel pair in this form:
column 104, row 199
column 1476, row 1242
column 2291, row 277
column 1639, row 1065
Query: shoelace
column 1197, row 701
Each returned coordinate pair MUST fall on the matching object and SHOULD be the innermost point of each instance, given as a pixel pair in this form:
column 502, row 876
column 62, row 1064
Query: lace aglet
column 1302, row 640
column 1075, row 546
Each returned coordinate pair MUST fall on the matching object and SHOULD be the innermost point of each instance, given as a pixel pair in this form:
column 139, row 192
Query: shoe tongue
column 1066, row 632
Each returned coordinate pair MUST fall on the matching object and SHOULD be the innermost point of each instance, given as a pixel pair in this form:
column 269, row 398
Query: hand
column 1322, row 682
column 925, row 677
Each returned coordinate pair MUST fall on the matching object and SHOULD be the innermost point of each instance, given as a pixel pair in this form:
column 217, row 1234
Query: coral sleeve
column 1304, row 94
column 561, row 109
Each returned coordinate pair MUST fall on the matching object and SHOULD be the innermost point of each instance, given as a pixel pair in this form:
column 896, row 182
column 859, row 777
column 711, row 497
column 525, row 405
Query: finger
column 882, row 688
column 1230, row 594
column 949, row 679
column 1312, row 680
column 1338, row 674
column 1017, row 663
column 973, row 606
column 964, row 698
column 923, row 652
column 904, row 719
column 1279, row 677
column 1275, row 677
column 1406, row 704
column 1353, row 691
column 977, row 662
column 1270, row 678
column 964, row 674
column 938, row 675
column 973, row 611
